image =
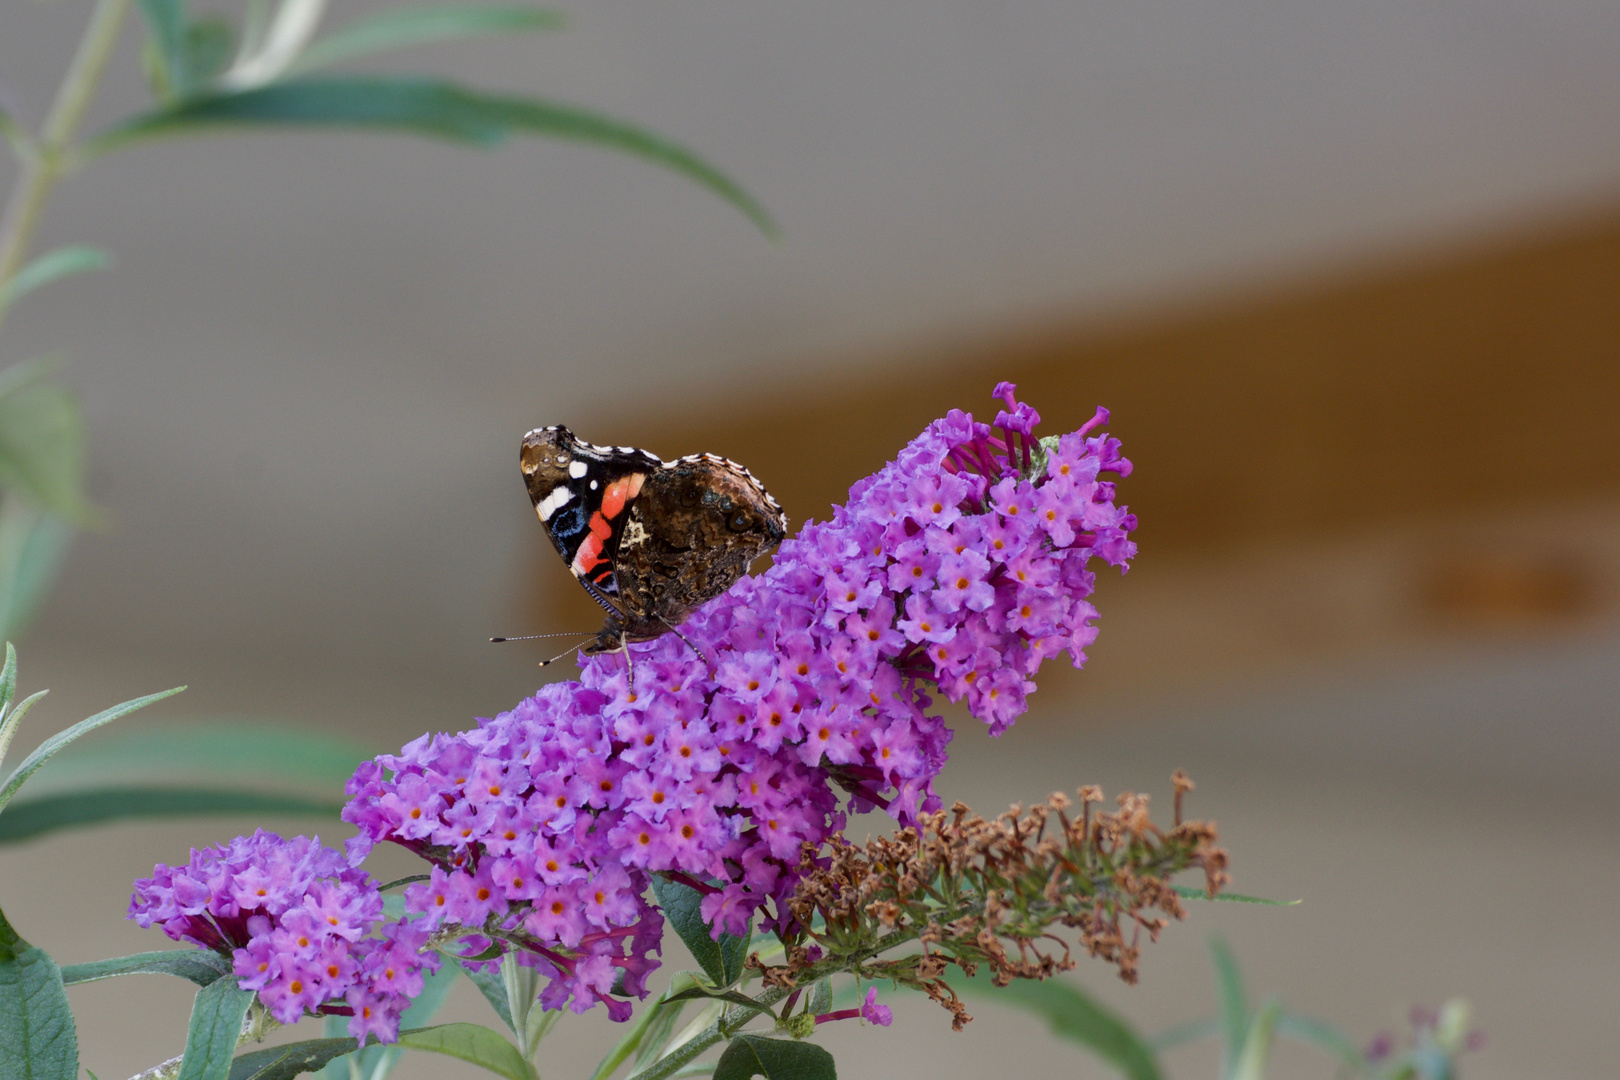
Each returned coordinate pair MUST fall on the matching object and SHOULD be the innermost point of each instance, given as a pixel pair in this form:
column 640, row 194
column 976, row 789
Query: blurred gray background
column 308, row 373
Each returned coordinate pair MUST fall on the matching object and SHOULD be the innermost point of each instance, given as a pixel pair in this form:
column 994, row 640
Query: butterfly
column 650, row 540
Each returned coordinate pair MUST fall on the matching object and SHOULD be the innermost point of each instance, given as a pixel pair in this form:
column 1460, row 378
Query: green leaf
column 54, row 264
column 209, row 45
column 257, row 753
column 658, row 1016
column 1323, row 1036
column 731, row 996
column 722, row 960
column 1072, row 1015
column 42, row 443
column 494, row 990
column 33, row 544
column 37, row 1037
column 749, row 1055
column 821, row 997
column 424, row 107
column 166, row 27
column 1234, row 898
column 404, row 27
column 34, row 817
column 291, row 1060
column 1234, row 1004
column 1257, row 1043
column 8, row 679
column 216, row 1028
column 47, row 749
column 658, row 1034
column 472, row 1043
column 199, row 966
column 1185, row 1033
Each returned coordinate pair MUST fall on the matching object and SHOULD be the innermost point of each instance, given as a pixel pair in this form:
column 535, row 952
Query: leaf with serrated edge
column 750, row 1055
column 43, row 753
column 215, row 1030
column 422, row 106
column 199, row 966
column 37, row 1037
column 28, row 818
column 472, row 1043
column 404, row 27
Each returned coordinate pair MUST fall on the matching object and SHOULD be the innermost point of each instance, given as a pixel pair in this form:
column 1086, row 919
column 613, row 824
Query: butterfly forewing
column 651, row 540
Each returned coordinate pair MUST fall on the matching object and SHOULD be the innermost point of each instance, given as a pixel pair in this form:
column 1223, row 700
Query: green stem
column 41, row 170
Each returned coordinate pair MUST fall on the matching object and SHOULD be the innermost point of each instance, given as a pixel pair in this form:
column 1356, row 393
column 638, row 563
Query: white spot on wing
column 578, row 469
column 552, row 503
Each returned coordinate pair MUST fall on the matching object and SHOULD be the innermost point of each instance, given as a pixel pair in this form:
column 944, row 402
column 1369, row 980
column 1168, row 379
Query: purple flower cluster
column 297, row 922
column 962, row 564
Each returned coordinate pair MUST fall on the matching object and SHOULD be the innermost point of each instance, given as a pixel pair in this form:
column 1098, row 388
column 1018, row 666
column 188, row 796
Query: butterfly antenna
column 537, row 637
column 566, row 652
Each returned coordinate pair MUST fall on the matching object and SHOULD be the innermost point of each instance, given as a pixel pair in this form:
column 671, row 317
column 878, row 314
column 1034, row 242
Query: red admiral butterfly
column 650, row 540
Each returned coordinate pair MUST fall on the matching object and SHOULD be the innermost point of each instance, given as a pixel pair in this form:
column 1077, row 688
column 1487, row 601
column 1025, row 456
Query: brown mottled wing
column 699, row 524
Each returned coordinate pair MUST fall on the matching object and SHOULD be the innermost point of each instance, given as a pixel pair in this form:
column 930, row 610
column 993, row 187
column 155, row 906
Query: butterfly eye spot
column 739, row 522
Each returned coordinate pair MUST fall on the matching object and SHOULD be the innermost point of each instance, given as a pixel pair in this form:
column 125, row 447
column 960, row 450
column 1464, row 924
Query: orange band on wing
column 620, row 492
column 614, row 499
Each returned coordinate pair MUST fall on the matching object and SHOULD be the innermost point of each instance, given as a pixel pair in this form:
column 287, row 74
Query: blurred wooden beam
column 1485, row 380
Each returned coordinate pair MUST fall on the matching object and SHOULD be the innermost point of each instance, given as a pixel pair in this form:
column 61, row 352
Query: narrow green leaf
column 403, row 27
column 199, row 966
column 53, row 265
column 37, row 1037
column 289, row 1061
column 42, row 443
column 30, row 818
column 1324, row 1036
column 1233, row 898
column 720, row 960
column 1072, row 1015
column 472, row 1043
column 166, row 25
column 730, row 996
column 21, row 142
column 494, row 990
column 1185, row 1033
column 424, row 107
column 47, row 749
column 8, row 679
column 215, row 1030
column 749, row 1055
column 1233, row 1001
column 257, row 752
column 658, row 1034
column 33, row 544
column 1257, row 1043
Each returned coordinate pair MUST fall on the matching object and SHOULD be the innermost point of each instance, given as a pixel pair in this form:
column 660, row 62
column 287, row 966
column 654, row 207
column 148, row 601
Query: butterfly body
column 649, row 540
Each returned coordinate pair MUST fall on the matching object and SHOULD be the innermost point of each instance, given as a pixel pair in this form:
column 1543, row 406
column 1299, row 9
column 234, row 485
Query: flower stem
column 41, row 169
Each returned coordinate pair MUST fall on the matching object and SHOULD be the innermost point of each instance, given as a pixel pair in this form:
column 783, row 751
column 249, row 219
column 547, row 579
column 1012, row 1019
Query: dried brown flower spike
column 973, row 892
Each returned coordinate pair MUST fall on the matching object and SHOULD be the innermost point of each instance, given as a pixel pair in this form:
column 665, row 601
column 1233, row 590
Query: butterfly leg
column 676, row 631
